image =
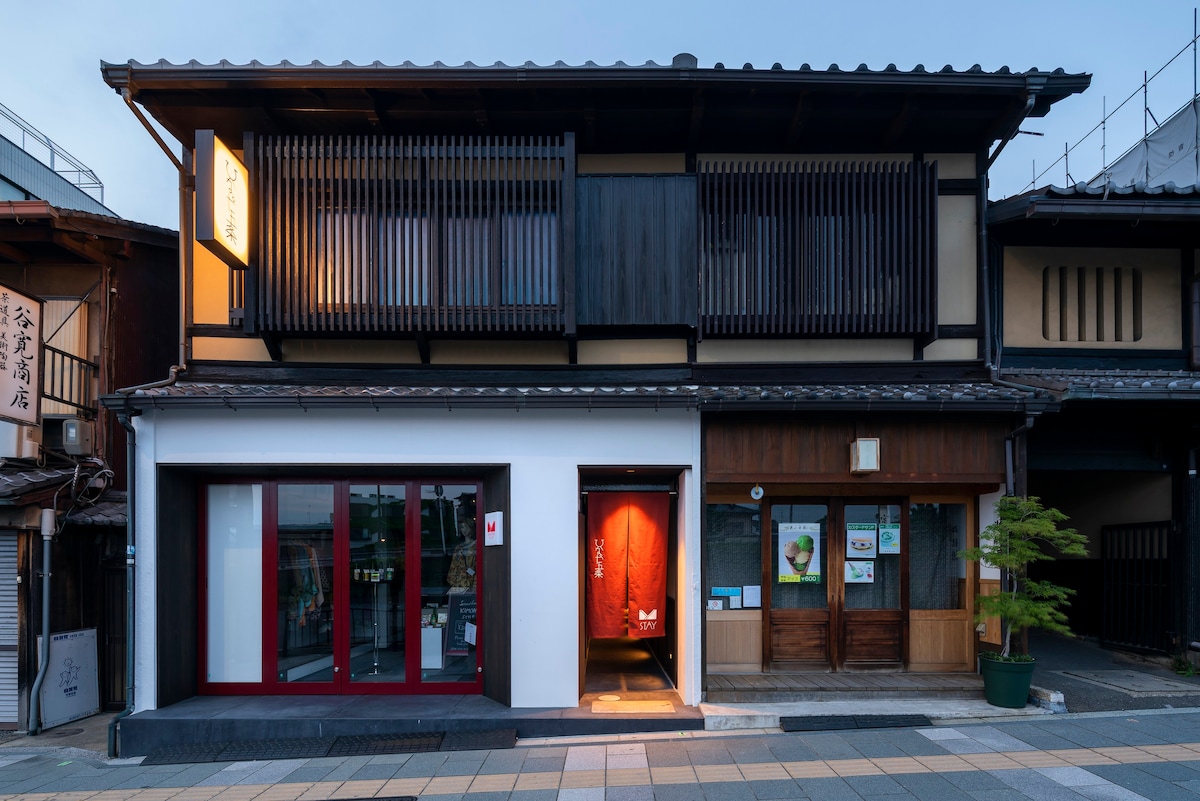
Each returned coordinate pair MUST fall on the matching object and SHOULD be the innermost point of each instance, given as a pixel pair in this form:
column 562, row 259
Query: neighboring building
column 108, row 292
column 1098, row 301
column 630, row 311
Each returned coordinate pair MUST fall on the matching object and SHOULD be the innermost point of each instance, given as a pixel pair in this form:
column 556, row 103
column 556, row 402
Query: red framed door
column 368, row 586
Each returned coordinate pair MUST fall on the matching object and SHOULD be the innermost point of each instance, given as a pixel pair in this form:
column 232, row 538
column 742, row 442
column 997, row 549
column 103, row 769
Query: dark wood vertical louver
column 820, row 249
column 364, row 234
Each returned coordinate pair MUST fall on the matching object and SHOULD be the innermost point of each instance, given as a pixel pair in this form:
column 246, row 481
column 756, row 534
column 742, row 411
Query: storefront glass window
column 234, row 573
column 377, row 582
column 449, row 567
column 733, row 550
column 305, row 583
column 876, row 520
column 937, row 577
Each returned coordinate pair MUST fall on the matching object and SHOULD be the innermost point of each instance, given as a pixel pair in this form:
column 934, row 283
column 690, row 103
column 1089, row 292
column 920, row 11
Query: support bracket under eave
column 274, row 346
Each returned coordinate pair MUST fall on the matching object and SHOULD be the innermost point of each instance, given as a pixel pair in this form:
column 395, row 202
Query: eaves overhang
column 899, row 398
column 1108, row 385
column 1166, row 203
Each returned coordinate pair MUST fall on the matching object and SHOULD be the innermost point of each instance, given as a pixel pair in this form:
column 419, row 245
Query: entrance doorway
column 835, row 589
column 367, row 586
column 629, row 593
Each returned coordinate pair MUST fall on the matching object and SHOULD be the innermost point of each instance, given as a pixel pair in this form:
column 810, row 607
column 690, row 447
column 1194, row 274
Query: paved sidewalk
column 1125, row 756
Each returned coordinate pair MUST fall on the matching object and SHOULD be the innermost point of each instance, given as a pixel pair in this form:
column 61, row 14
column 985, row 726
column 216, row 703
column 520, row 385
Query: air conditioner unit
column 20, row 441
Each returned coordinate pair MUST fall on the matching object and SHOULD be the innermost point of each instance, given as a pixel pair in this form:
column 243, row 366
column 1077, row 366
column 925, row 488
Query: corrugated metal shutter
column 8, row 630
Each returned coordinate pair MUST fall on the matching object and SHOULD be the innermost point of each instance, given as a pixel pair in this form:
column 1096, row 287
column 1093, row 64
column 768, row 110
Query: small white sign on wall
column 493, row 528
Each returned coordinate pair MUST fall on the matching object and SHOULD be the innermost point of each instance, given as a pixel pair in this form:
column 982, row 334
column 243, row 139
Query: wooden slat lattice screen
column 834, row 249
column 376, row 234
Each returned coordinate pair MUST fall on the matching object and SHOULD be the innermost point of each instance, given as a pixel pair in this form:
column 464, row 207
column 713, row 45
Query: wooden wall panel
column 992, row 631
column 799, row 641
column 874, row 637
column 734, row 641
column 939, row 640
column 923, row 450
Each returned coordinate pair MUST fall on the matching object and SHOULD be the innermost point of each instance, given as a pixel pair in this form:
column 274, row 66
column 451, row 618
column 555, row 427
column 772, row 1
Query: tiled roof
column 1083, row 190
column 1101, row 384
column 111, row 510
column 18, row 481
column 682, row 61
column 236, row 396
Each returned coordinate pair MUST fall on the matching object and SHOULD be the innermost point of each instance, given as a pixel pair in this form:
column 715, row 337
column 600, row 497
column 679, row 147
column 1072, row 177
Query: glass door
column 306, row 581
column 871, row 618
column 798, row 558
column 376, row 576
column 449, row 565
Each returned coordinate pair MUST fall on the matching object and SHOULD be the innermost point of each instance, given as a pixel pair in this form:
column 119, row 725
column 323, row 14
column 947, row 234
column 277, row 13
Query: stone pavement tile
column 1037, row 786
column 1172, row 752
column 939, row 733
column 389, row 759
column 190, row 775
column 497, row 795
column 1111, row 792
column 624, row 749
column 403, row 787
column 830, row 746
column 990, row 761
column 549, row 751
column 1001, row 794
column 673, row 775
column 359, row 789
column 997, row 739
column 677, row 792
column 421, row 766
column 272, row 771
column 1127, row 755
column 493, row 783
column 643, row 793
column 1072, row 777
column 710, row 756
column 537, row 781
column 904, row 764
column 581, row 778
column 855, row 767
column 1172, row 771
column 1191, row 784
column 874, row 785
column 774, row 788
column 1139, row 781
column 533, row 795
column 708, row 773
column 279, row 792
column 663, row 755
column 944, row 763
column 1036, row 759
column 763, row 771
column 305, row 774
column 540, row 764
column 459, row 767
column 966, row 746
column 383, row 772
column 932, row 787
column 582, row 794
column 349, row 766
column 974, row 780
column 585, row 757
column 503, row 762
column 791, row 750
column 626, row 761
column 729, row 791
column 442, row 785
column 808, row 770
column 828, row 789
column 1082, row 756
column 757, row 751
column 627, row 777
column 1127, row 731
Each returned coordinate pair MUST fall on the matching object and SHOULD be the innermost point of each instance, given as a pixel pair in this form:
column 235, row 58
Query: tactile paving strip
column 479, row 740
column 374, row 744
column 840, row 722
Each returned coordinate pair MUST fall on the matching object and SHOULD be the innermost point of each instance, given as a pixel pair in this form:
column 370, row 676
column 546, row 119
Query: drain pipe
column 35, row 710
column 123, row 417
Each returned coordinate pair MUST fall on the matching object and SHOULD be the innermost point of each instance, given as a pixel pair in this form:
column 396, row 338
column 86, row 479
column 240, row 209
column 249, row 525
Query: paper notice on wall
column 469, row 633
column 752, row 596
column 861, row 540
column 860, row 572
column 889, row 538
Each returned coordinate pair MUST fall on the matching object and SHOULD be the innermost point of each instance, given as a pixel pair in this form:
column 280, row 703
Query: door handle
column 337, row 669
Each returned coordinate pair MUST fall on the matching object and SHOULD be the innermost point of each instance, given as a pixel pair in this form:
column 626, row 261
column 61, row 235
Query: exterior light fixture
column 864, row 455
column 756, row 492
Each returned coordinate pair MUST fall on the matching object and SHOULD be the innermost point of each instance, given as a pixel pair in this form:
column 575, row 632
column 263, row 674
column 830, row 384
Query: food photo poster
column 800, row 553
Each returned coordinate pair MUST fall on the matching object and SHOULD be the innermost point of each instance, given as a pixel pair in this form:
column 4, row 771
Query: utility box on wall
column 77, row 437
column 19, row 441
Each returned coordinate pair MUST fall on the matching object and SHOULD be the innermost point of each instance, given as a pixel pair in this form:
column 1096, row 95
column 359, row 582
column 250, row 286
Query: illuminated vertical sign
column 20, row 356
column 222, row 200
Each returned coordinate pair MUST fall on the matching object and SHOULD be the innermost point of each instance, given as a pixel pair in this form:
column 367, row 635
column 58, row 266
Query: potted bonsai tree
column 1017, row 538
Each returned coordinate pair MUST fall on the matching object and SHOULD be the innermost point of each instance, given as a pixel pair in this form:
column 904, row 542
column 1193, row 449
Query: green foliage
column 1005, row 658
column 1020, row 535
column 1183, row 666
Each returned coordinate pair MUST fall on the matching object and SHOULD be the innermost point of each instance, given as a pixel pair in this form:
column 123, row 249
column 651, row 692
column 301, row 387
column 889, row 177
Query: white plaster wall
column 544, row 450
column 987, row 516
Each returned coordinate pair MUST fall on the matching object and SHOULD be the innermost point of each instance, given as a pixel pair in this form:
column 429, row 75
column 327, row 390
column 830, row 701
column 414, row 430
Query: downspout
column 35, row 710
column 123, row 418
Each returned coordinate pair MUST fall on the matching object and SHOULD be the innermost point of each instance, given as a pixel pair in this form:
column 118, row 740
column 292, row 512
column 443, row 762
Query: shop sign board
column 71, row 689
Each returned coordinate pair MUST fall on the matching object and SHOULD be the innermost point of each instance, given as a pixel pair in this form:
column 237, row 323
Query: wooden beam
column 796, row 124
column 84, row 248
column 697, row 119
column 11, row 253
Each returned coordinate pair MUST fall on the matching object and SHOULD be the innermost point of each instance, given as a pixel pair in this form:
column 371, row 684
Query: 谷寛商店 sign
column 20, row 356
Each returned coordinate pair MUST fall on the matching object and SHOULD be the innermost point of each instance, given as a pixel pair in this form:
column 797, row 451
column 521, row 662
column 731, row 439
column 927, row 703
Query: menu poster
column 800, row 553
column 889, row 538
column 860, row 540
column 860, row 572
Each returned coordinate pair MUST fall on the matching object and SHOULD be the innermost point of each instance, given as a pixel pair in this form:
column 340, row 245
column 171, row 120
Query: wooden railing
column 69, row 380
column 411, row 234
column 833, row 249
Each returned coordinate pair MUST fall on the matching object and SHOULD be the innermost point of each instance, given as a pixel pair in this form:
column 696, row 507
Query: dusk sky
column 50, row 58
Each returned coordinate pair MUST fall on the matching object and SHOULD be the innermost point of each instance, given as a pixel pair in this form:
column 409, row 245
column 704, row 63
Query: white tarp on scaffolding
column 1167, row 154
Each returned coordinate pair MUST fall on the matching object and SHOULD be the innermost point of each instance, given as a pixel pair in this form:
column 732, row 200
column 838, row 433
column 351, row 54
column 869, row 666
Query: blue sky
column 50, row 57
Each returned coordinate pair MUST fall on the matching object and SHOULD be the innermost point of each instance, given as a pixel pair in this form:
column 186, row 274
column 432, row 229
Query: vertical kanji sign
column 20, row 357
